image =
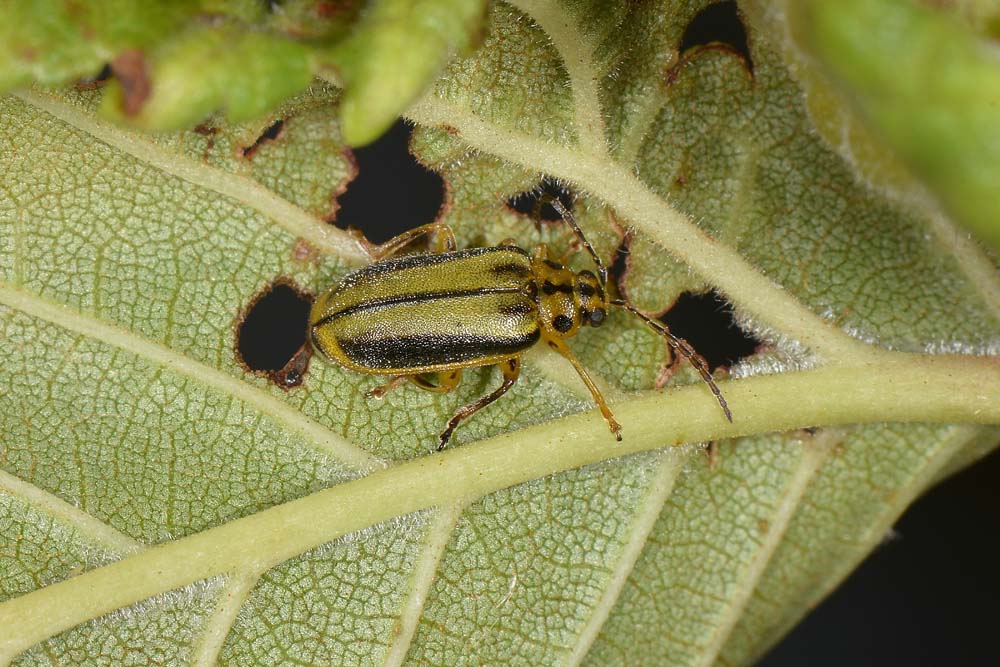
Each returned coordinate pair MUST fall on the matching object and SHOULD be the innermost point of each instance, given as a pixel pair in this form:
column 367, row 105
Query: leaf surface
column 160, row 504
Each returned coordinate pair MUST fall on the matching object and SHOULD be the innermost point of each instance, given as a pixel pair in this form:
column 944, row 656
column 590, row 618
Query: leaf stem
column 892, row 387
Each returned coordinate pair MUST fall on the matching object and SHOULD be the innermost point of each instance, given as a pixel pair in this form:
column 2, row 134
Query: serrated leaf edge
column 877, row 531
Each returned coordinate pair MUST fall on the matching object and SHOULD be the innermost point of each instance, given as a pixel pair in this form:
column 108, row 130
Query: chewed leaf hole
column 706, row 321
column 271, row 334
column 272, row 132
column 97, row 80
column 719, row 23
column 534, row 203
column 392, row 192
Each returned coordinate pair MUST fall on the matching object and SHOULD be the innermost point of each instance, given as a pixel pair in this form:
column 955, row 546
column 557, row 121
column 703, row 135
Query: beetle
column 413, row 316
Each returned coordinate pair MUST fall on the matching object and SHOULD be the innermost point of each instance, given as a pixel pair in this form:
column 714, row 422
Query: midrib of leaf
column 323, row 439
column 923, row 388
column 669, row 467
column 723, row 267
column 88, row 525
column 814, row 454
column 423, row 576
column 939, row 457
column 298, row 222
column 575, row 49
column 249, row 193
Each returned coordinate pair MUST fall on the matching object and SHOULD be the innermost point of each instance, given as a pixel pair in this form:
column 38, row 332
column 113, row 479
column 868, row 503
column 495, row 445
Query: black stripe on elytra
column 430, row 350
column 517, row 309
column 416, row 261
column 514, row 268
column 419, row 297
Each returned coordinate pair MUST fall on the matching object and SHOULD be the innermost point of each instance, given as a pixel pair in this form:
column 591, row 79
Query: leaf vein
column 643, row 521
column 938, row 458
column 318, row 435
column 247, row 192
column 232, row 595
column 87, row 524
column 740, row 281
column 913, row 388
column 575, row 50
column 424, row 574
column 814, row 454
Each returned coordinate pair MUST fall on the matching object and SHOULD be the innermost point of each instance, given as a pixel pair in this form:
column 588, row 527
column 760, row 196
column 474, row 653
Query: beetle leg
column 445, row 240
column 447, row 380
column 511, row 369
column 560, row 346
column 380, row 391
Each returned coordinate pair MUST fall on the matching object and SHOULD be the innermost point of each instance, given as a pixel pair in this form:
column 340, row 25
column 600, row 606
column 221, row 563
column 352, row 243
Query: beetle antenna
column 683, row 348
column 571, row 221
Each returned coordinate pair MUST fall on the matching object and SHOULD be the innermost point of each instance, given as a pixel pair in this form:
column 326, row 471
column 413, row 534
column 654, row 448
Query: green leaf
column 398, row 48
column 928, row 86
column 176, row 63
column 161, row 504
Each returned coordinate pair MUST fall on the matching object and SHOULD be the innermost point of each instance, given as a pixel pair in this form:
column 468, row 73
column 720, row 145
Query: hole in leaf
column 392, row 192
column 271, row 334
column 272, row 132
column 96, row 81
column 527, row 202
column 619, row 264
column 706, row 321
column 719, row 23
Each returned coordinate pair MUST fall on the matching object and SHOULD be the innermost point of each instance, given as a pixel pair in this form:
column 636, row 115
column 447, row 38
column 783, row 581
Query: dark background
column 929, row 596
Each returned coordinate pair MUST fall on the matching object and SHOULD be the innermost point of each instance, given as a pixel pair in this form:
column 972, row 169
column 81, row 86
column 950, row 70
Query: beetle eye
column 597, row 317
column 562, row 324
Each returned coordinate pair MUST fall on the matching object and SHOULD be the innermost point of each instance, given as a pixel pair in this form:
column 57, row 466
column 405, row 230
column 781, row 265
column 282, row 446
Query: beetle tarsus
column 446, row 434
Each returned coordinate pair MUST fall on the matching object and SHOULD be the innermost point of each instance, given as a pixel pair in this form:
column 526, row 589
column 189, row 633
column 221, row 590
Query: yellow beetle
column 416, row 315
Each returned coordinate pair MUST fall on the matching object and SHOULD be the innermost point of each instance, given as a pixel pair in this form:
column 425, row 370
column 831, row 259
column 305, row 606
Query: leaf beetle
column 413, row 316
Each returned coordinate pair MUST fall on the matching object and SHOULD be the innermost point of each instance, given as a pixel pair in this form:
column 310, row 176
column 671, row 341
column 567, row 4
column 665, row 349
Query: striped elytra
column 417, row 316
column 425, row 313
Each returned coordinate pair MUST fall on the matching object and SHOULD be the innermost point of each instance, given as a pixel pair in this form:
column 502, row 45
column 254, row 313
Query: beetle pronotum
column 417, row 315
